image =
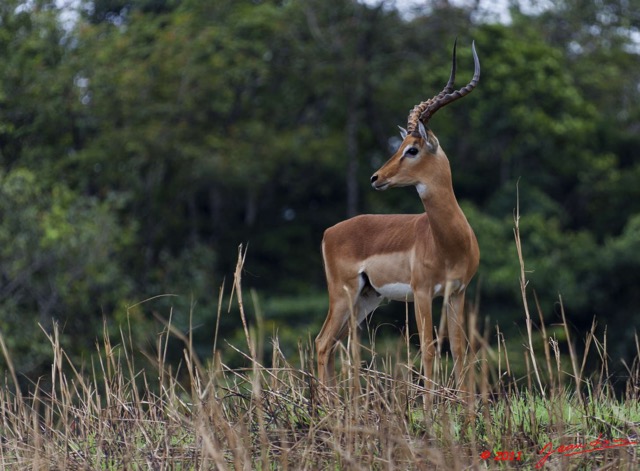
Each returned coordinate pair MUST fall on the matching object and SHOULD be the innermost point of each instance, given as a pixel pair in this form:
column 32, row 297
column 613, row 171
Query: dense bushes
column 142, row 142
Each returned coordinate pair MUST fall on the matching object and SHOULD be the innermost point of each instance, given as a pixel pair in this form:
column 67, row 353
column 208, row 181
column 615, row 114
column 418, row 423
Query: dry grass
column 204, row 415
column 118, row 417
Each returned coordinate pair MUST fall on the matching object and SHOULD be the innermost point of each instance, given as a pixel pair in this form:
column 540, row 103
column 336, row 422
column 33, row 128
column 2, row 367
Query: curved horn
column 425, row 110
column 452, row 77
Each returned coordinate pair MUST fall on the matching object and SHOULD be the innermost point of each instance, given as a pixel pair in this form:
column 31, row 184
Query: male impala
column 404, row 257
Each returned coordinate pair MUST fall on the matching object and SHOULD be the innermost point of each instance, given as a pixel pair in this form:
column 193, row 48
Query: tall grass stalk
column 201, row 414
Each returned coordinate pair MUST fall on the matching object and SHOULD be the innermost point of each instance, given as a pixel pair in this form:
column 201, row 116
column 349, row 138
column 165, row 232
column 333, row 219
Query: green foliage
column 540, row 124
column 617, row 270
column 57, row 263
column 140, row 145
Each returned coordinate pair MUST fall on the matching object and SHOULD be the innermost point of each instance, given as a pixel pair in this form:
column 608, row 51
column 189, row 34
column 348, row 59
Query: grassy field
column 114, row 414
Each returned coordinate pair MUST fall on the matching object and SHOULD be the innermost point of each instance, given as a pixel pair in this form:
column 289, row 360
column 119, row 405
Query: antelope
column 405, row 257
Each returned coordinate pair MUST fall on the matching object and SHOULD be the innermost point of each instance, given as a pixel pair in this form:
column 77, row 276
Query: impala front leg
column 454, row 305
column 422, row 307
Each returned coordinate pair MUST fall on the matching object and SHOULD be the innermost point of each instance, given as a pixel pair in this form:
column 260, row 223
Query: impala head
column 419, row 159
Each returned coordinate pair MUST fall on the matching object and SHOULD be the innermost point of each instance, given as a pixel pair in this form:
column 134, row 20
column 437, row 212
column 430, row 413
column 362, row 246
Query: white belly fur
column 403, row 291
column 396, row 291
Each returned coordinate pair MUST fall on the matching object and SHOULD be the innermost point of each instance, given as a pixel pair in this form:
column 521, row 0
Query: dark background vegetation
column 142, row 141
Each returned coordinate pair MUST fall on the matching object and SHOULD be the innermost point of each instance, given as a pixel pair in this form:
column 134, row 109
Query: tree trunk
column 352, row 159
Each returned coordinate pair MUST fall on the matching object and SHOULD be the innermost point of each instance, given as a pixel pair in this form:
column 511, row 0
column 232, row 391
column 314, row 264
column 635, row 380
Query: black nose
column 374, row 178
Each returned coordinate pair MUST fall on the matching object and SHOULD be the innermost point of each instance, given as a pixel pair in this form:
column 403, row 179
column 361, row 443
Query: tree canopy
column 143, row 141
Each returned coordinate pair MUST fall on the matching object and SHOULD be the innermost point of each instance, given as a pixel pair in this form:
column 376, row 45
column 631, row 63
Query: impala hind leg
column 360, row 302
column 333, row 330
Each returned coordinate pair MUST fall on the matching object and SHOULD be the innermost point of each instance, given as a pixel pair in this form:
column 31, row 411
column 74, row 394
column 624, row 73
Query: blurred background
column 142, row 141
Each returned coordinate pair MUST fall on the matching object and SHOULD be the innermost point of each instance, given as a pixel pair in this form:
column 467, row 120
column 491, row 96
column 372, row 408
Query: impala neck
column 448, row 223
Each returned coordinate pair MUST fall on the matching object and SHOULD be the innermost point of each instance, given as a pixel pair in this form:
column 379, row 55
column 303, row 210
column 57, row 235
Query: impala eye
column 412, row 151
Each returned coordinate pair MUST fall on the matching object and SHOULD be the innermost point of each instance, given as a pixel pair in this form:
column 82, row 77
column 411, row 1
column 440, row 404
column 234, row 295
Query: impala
column 404, row 257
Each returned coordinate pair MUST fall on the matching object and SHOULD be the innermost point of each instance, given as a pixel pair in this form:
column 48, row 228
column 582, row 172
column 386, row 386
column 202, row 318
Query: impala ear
column 430, row 139
column 423, row 131
column 432, row 143
column 403, row 132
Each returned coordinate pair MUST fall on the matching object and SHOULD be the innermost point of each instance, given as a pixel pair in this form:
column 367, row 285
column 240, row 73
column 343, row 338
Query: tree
column 36, row 89
column 56, row 265
column 187, row 128
column 601, row 54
